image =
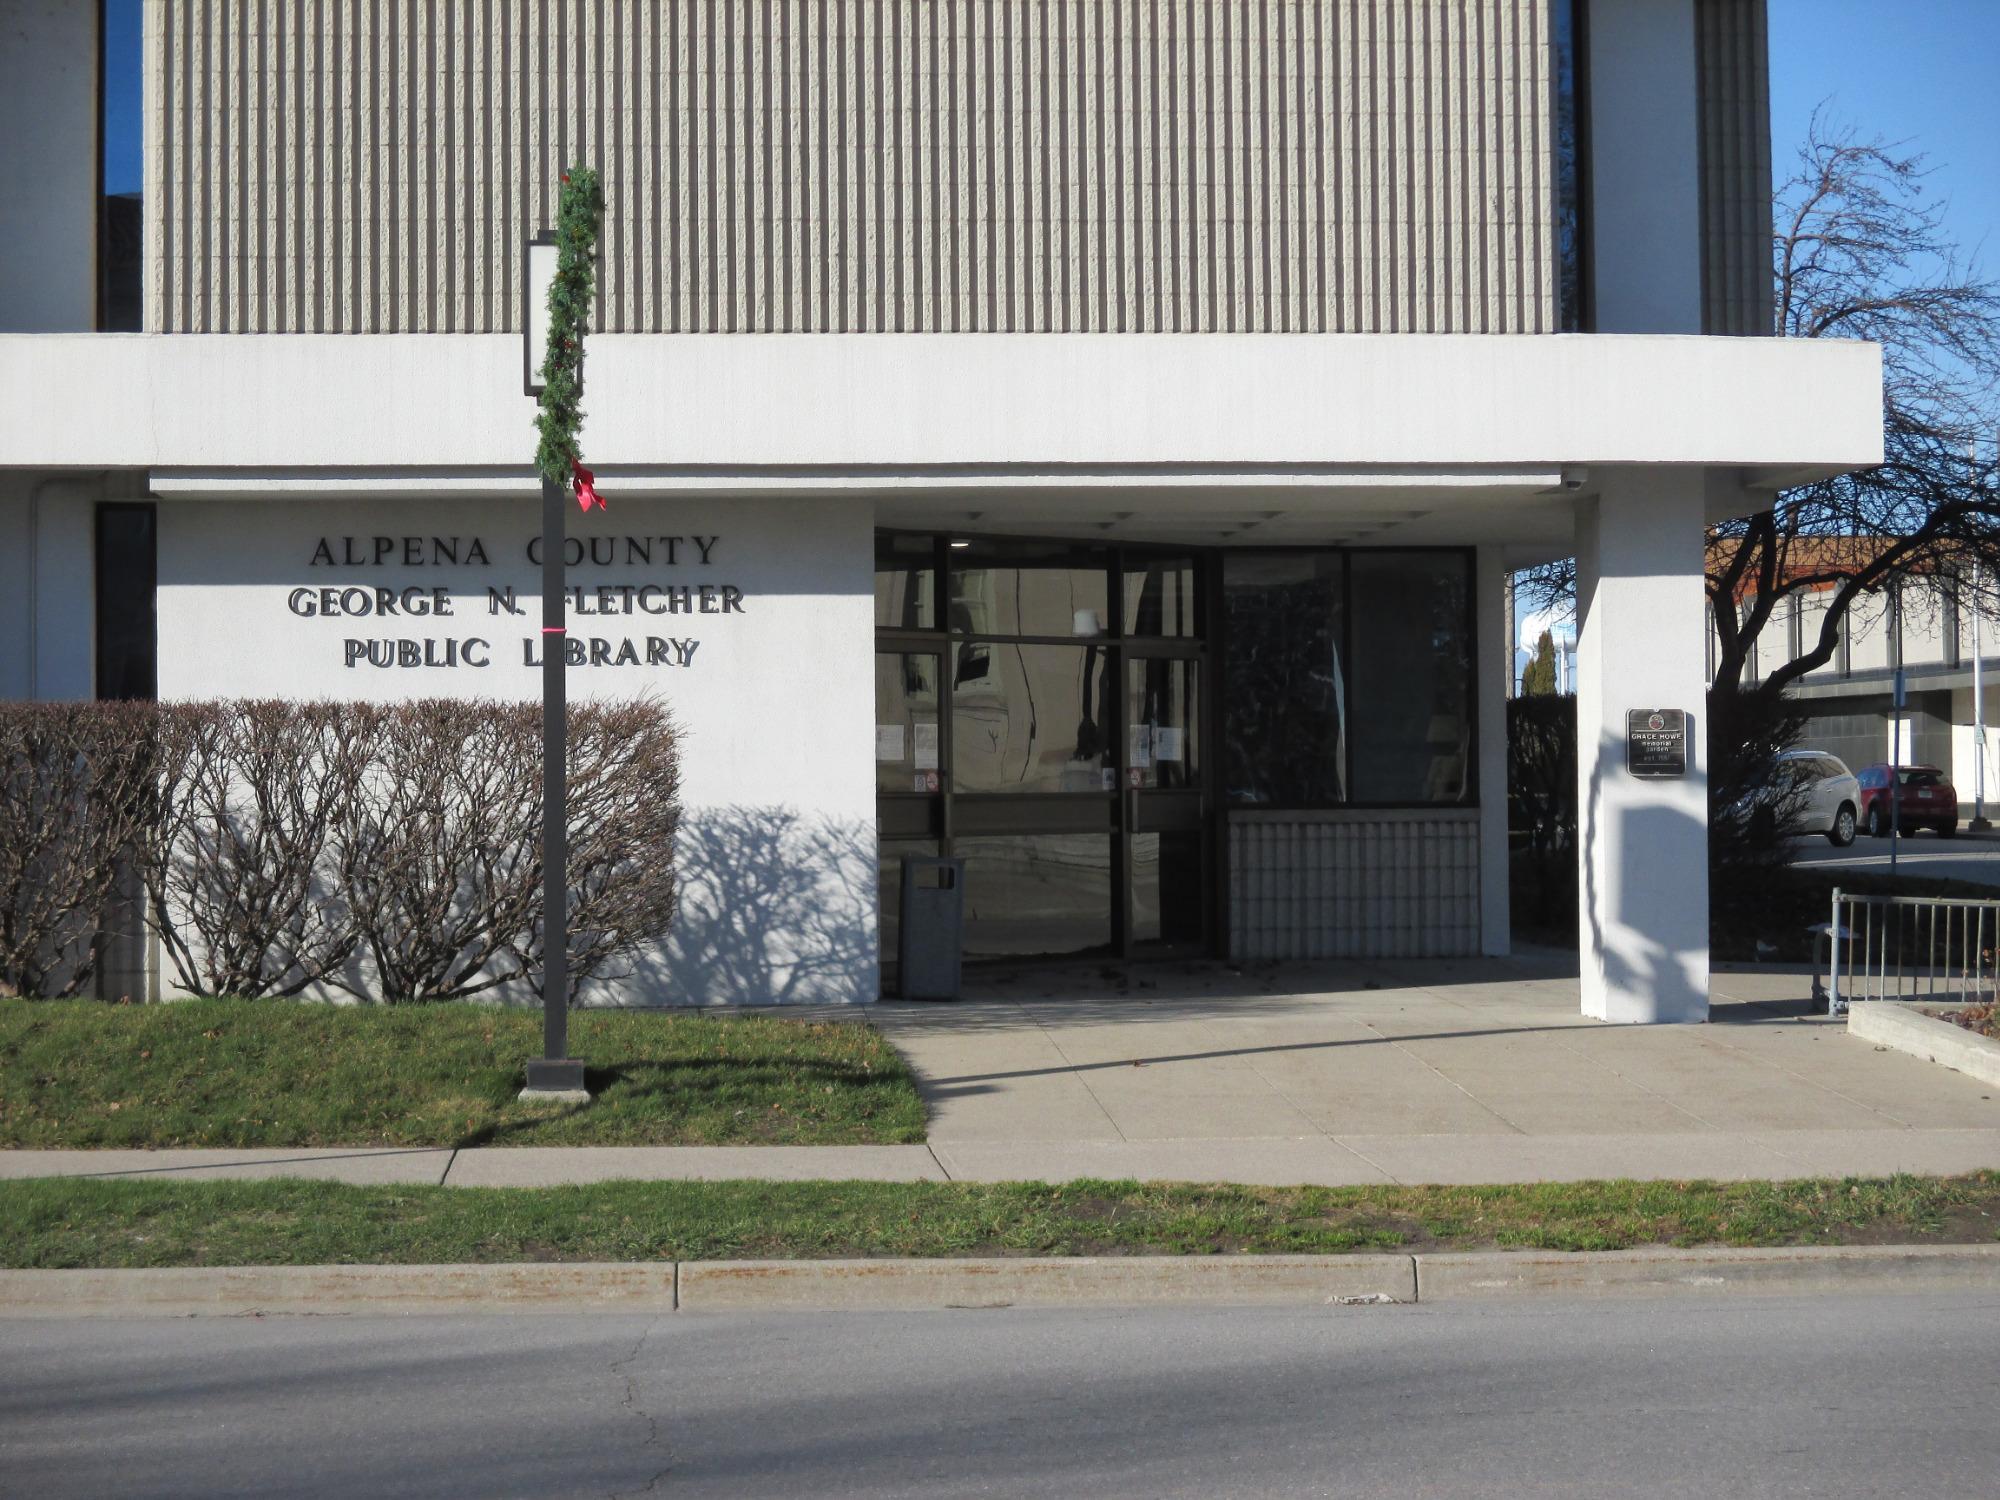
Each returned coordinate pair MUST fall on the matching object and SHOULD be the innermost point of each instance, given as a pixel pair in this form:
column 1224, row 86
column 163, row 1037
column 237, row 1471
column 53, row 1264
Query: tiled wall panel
column 1354, row 885
column 833, row 165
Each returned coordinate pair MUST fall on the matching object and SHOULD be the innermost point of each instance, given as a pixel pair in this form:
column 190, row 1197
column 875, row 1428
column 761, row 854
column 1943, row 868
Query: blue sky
column 1925, row 72
column 123, row 128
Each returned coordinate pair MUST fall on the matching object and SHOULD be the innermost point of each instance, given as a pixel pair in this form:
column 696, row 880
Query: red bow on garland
column 586, row 489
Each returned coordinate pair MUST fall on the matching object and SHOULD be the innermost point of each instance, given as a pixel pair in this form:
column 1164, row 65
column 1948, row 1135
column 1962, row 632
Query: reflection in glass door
column 1166, row 812
column 1059, row 688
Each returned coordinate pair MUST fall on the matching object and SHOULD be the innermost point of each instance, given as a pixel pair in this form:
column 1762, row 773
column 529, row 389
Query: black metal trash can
column 931, row 942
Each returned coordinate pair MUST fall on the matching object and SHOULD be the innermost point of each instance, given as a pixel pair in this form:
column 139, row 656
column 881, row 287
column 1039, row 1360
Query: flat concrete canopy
column 1468, row 1071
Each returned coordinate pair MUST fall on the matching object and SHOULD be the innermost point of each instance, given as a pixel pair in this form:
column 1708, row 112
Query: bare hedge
column 389, row 851
column 76, row 792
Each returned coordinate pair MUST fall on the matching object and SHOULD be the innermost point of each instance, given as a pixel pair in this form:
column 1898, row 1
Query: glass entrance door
column 1039, row 716
column 1167, row 813
column 1166, row 810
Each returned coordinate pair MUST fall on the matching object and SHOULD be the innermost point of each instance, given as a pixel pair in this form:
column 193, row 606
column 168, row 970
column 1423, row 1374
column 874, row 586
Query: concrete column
column 48, row 171
column 1642, row 878
column 48, row 585
column 1493, row 669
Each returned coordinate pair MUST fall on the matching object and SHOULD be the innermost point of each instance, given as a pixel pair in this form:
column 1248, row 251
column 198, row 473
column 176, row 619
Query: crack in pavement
column 629, row 1402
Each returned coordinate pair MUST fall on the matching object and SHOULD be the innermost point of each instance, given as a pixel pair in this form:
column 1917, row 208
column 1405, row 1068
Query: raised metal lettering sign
column 1656, row 742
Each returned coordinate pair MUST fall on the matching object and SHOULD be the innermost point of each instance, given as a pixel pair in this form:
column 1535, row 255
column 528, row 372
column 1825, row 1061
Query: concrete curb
column 1898, row 1024
column 1804, row 1271
column 1289, row 1280
column 915, row 1285
column 239, row 1291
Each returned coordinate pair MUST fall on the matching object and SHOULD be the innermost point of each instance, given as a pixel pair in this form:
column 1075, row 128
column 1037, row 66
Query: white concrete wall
column 775, row 703
column 1812, row 618
column 1868, row 630
column 1788, row 407
column 1926, row 641
column 47, row 613
column 1642, row 844
column 1645, row 167
column 1965, row 748
column 48, row 165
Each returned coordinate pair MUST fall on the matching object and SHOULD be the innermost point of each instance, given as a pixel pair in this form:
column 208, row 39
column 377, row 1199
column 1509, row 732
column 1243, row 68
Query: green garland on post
column 559, row 424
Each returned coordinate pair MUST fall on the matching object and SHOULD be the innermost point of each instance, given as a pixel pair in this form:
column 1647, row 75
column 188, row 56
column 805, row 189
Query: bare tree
column 1860, row 252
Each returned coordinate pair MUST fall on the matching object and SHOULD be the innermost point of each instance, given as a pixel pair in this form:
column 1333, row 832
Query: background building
column 1928, row 632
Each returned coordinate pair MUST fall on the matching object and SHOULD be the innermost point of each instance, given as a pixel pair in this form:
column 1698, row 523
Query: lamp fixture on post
column 538, row 274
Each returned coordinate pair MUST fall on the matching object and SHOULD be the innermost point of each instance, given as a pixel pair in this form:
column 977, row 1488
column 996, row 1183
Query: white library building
column 1088, row 439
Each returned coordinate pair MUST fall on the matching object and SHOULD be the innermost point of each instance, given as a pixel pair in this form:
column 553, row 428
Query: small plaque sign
column 1656, row 742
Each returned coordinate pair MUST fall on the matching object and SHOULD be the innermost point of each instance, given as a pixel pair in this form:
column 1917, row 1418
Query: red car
column 1928, row 800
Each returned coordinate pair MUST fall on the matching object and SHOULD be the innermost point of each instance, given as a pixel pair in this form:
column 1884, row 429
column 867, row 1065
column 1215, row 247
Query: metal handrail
column 1932, row 948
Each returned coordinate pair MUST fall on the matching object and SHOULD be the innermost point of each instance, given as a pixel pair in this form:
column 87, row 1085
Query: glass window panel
column 121, row 131
column 1285, row 710
column 1167, row 902
column 906, row 583
column 1031, row 718
column 1036, row 895
column 127, row 646
column 889, row 888
column 1160, row 596
column 907, row 749
column 1163, row 722
column 1412, row 735
column 1029, row 588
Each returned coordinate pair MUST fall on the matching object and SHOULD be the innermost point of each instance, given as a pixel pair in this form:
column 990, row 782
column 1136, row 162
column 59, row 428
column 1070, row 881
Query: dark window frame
column 1571, row 21
column 1211, row 647
column 103, row 599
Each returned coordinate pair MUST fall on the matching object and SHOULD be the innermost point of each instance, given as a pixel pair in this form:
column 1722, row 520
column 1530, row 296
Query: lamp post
column 1979, row 824
column 559, row 284
column 1900, row 696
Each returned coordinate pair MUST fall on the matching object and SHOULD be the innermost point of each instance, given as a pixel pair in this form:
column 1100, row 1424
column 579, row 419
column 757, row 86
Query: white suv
column 1826, row 793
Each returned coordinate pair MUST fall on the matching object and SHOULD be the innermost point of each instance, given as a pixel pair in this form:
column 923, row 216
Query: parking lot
column 1966, row 856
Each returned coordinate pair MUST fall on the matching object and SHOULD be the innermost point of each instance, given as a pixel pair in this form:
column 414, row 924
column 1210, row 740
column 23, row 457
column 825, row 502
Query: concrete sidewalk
column 1438, row 1071
column 1269, row 1161
column 498, row 1166
column 1348, row 1074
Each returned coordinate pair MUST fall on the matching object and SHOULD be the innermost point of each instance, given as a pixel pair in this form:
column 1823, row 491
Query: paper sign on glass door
column 1141, row 745
column 927, row 747
column 889, row 742
column 1167, row 742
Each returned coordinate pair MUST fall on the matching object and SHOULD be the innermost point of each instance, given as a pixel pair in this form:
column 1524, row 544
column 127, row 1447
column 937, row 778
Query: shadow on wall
column 1661, row 853
column 777, row 908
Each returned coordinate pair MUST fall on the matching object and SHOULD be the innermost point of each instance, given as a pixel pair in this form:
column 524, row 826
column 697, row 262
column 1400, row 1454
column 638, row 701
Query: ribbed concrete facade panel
column 1733, row 70
column 1354, row 885
column 858, row 165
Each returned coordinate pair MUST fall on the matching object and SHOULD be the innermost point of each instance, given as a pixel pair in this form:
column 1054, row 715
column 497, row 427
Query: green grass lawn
column 53, row 1222
column 276, row 1073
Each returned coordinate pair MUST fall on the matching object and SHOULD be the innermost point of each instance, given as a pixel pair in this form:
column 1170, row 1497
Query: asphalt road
column 1967, row 856
column 1890, row 1396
